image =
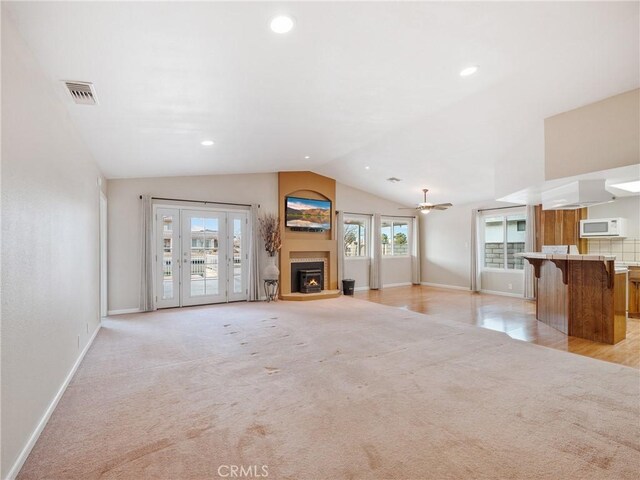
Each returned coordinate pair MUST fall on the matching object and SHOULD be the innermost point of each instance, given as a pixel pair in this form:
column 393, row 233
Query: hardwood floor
column 513, row 316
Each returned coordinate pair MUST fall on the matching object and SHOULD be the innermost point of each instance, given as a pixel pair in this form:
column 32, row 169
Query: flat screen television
column 308, row 214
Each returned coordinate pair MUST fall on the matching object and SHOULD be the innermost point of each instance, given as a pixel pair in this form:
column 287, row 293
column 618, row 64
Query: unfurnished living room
column 320, row 240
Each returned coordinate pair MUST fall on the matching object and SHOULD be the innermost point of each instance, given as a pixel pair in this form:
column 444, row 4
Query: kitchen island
column 581, row 295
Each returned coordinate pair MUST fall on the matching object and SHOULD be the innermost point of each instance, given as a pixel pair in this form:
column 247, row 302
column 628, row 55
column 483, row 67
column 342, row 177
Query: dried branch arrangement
column 270, row 233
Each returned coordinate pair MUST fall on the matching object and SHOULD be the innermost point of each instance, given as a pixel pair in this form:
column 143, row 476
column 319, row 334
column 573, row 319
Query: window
column 395, row 237
column 356, row 231
column 504, row 236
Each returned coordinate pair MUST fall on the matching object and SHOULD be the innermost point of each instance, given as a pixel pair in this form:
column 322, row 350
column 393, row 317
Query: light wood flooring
column 513, row 316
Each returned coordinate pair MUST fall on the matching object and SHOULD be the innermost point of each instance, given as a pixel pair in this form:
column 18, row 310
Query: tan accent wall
column 599, row 136
column 307, row 244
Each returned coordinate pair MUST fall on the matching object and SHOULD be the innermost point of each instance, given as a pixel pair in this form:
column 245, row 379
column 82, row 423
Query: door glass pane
column 197, row 256
column 211, row 255
column 516, row 227
column 237, row 255
column 494, row 242
column 167, row 257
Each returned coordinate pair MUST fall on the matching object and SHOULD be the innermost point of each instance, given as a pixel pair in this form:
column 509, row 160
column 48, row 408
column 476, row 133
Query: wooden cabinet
column 560, row 227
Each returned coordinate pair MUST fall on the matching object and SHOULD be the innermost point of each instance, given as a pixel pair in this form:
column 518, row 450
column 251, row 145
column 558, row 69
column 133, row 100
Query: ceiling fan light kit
column 425, row 207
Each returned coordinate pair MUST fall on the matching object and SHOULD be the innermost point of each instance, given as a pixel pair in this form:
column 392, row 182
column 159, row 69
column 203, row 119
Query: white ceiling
column 353, row 85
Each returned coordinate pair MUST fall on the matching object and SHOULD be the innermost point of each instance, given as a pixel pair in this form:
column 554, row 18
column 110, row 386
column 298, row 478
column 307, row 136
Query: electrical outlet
column 87, row 327
column 78, row 341
column 511, row 286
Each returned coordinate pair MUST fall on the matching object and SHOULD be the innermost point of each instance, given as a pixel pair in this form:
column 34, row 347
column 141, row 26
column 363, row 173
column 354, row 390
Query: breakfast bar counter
column 581, row 295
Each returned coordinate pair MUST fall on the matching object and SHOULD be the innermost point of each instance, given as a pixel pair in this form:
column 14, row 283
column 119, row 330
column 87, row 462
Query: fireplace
column 311, row 273
column 310, row 280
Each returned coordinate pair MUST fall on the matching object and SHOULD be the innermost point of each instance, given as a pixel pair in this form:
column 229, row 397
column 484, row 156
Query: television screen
column 308, row 213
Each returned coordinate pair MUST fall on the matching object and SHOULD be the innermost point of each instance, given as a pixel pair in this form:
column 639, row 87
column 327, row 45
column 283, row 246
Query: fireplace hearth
column 310, row 281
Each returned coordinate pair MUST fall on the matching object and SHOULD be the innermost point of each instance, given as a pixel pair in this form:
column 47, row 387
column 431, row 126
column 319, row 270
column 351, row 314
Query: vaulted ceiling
column 353, row 85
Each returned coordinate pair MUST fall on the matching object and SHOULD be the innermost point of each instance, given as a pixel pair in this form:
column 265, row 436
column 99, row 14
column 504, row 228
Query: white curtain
column 340, row 235
column 147, row 298
column 475, row 257
column 530, row 246
column 415, row 251
column 375, row 272
column 254, row 256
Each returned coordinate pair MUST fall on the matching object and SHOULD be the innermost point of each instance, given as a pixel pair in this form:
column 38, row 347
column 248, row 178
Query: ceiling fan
column 425, row 207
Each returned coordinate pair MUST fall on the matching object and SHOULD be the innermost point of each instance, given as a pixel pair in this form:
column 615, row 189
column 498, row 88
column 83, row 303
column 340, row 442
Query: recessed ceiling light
column 465, row 72
column 206, row 143
column 281, row 24
column 633, row 187
column 307, row 157
column 367, row 167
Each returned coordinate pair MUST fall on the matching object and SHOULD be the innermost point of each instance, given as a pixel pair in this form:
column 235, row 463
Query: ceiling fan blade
column 443, row 205
column 408, row 208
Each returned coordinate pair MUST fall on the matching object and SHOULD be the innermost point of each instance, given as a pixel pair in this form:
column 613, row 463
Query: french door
column 201, row 257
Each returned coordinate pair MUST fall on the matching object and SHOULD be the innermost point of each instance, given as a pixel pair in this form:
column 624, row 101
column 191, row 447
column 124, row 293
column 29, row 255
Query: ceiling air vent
column 82, row 93
column 393, row 180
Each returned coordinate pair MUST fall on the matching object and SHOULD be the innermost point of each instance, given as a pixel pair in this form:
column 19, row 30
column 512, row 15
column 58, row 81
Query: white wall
column 446, row 251
column 50, row 248
column 394, row 270
column 124, row 219
column 625, row 207
column 352, row 200
column 124, row 222
column 445, row 238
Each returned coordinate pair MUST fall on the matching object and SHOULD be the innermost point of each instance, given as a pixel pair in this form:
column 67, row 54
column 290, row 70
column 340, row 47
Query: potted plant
column 270, row 233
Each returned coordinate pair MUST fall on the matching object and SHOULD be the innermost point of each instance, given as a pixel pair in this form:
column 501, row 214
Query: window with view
column 356, row 236
column 504, row 236
column 395, row 237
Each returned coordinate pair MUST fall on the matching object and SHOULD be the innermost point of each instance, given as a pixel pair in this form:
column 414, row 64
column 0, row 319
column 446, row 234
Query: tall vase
column 271, row 271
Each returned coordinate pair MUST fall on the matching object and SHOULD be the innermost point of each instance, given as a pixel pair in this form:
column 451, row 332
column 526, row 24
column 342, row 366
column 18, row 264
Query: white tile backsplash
column 625, row 249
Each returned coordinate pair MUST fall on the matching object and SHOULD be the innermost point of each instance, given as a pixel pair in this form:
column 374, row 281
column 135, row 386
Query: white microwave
column 603, row 227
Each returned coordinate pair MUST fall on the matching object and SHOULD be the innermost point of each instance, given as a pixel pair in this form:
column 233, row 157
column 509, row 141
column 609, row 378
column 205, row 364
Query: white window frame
column 367, row 232
column 504, row 214
column 393, row 220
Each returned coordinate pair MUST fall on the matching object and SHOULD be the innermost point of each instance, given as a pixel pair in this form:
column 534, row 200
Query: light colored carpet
column 335, row 389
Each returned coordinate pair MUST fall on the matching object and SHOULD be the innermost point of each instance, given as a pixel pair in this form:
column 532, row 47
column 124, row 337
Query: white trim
column 361, row 289
column 442, row 285
column 15, row 469
column 123, row 311
column 402, row 284
column 503, row 294
column 502, row 270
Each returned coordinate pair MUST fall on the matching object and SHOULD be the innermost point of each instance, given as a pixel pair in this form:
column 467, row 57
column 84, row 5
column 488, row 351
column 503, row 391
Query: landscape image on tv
column 308, row 213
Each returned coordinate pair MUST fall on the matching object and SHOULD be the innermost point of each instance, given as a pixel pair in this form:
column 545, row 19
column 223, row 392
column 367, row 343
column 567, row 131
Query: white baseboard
column 123, row 311
column 503, row 294
column 390, row 285
column 361, row 289
column 15, row 469
column 442, row 285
